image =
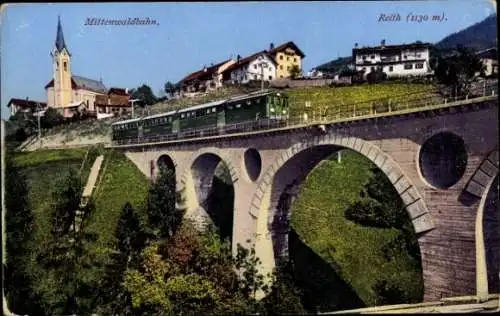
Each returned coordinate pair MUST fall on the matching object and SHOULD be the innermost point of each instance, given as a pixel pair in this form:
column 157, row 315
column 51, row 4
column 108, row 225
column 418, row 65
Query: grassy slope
column 354, row 251
column 333, row 97
column 122, row 182
column 43, row 169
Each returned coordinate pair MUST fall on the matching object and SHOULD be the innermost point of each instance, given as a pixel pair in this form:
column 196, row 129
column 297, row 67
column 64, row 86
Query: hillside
column 335, row 65
column 336, row 99
column 479, row 36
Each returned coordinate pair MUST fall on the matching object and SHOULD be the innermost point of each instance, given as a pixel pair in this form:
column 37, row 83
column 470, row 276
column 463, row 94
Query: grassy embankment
column 122, row 182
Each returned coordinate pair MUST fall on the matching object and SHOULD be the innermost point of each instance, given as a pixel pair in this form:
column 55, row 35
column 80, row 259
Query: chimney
column 382, row 43
column 238, row 58
column 271, row 46
column 355, row 45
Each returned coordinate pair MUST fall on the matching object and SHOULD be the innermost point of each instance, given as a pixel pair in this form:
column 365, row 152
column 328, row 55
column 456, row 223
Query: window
column 57, row 65
column 364, row 57
column 270, row 77
column 281, row 67
column 182, row 115
column 255, row 77
column 287, row 57
column 391, row 68
column 65, row 65
column 419, row 66
column 281, row 57
column 409, row 66
column 254, row 66
column 372, row 68
column 287, row 67
column 281, row 76
column 238, row 106
column 208, row 111
column 372, row 56
column 295, row 60
column 249, row 102
column 213, row 110
column 364, row 68
column 230, row 107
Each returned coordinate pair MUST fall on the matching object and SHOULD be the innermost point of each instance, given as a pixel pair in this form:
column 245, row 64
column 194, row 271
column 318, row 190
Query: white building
column 259, row 66
column 489, row 59
column 394, row 60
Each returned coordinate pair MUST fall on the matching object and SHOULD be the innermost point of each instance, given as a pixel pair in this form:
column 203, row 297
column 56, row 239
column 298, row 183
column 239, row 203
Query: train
column 253, row 111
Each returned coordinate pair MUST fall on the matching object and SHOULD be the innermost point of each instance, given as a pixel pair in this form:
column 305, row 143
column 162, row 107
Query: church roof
column 79, row 82
column 60, row 44
column 89, row 84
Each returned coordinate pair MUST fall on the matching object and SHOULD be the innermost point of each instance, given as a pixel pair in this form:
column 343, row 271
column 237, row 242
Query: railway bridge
column 442, row 160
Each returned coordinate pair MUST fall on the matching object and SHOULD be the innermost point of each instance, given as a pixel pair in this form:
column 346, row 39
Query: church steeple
column 60, row 44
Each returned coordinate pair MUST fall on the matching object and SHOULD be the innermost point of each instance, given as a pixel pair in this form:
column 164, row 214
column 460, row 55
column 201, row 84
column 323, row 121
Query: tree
column 163, row 215
column 145, row 94
column 169, row 88
column 295, row 72
column 376, row 76
column 458, row 69
column 51, row 118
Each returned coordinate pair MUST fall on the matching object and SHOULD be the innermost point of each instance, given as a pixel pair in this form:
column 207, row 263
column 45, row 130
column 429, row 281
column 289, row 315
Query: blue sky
column 190, row 35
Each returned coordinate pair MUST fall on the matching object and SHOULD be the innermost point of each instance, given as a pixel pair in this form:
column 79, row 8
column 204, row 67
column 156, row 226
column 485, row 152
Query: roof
column 247, row 60
column 79, row 82
column 75, row 104
column 285, row 45
column 490, row 53
column 159, row 115
column 126, row 121
column 89, row 84
column 24, row 103
column 202, row 106
column 118, row 91
column 390, row 47
column 60, row 44
column 249, row 95
column 205, row 72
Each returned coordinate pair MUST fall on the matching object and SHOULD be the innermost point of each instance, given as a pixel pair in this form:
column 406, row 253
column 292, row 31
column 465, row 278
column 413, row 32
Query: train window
column 182, row 115
column 230, row 107
column 284, row 111
column 213, row 110
column 249, row 102
column 238, row 106
column 208, row 111
column 272, row 109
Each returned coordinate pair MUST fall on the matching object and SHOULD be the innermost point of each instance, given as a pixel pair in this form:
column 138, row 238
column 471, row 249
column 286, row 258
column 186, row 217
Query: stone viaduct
column 417, row 150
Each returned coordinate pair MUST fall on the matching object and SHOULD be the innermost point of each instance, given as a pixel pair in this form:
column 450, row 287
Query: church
column 70, row 93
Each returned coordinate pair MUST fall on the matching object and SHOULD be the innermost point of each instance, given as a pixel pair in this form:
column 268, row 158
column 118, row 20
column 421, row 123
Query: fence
column 328, row 113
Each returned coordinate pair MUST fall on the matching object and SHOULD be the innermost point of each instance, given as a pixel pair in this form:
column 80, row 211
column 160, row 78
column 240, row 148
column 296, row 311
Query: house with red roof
column 205, row 79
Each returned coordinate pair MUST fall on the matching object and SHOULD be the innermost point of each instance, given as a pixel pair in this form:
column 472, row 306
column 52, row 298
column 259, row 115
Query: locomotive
column 254, row 111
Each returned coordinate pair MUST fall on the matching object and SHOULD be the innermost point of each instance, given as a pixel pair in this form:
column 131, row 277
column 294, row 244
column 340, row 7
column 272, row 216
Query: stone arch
column 209, row 150
column 483, row 185
column 154, row 167
column 196, row 181
column 420, row 216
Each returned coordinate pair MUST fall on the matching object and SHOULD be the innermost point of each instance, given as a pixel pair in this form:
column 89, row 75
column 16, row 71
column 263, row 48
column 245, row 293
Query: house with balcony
column 256, row 67
column 395, row 60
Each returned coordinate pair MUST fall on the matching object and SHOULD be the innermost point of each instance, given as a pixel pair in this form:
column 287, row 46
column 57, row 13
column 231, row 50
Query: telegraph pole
column 132, row 101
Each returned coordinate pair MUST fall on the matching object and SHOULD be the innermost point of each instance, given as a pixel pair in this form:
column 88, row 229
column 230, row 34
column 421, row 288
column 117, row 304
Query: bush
column 376, row 77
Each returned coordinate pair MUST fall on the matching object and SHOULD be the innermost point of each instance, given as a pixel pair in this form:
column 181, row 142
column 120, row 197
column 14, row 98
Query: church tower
column 61, row 63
